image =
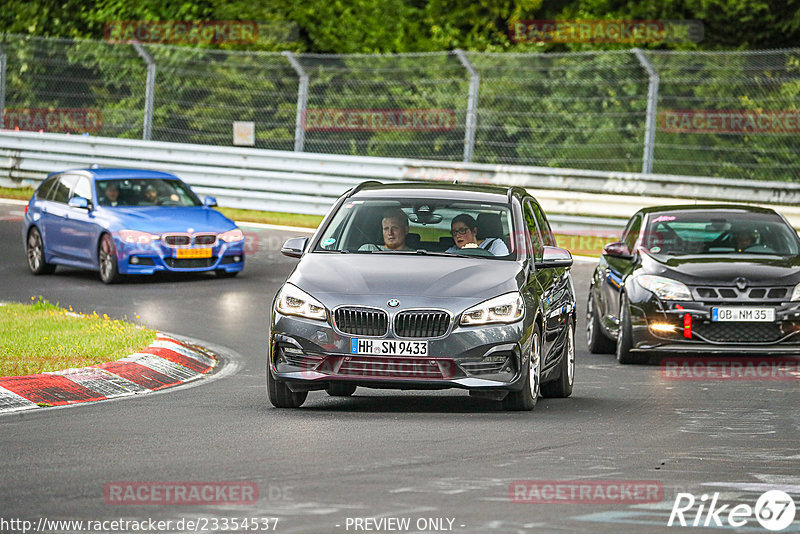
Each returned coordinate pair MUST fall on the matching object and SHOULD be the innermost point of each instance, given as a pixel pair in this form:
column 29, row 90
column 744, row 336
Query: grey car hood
column 395, row 275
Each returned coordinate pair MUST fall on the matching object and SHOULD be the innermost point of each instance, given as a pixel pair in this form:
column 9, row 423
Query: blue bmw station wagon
column 127, row 221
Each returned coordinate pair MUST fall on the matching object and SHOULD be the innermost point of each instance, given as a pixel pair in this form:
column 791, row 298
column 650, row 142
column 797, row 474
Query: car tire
column 34, row 249
column 562, row 386
column 281, row 396
column 624, row 340
column 596, row 339
column 340, row 390
column 525, row 399
column 107, row 260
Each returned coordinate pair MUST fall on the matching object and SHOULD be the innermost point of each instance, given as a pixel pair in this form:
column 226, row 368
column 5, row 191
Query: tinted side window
column 46, row 187
column 62, row 189
column 530, row 222
column 83, row 188
column 548, row 238
column 631, row 233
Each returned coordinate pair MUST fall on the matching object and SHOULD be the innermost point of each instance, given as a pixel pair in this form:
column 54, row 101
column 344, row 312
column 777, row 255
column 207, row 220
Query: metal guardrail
column 308, row 183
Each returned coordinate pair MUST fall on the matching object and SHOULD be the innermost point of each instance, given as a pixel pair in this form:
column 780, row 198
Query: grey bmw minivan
column 426, row 286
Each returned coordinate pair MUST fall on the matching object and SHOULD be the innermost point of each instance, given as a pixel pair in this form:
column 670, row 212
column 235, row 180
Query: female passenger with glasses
column 464, row 230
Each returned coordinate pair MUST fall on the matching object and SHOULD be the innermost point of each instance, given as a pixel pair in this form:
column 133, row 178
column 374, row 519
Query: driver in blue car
column 464, row 230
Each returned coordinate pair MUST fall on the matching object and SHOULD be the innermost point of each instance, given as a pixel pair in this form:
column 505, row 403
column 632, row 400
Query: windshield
column 420, row 225
column 718, row 232
column 145, row 192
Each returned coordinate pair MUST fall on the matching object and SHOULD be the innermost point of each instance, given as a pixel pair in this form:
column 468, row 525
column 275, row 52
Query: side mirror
column 78, row 202
column 294, row 247
column 210, row 202
column 553, row 257
column 618, row 250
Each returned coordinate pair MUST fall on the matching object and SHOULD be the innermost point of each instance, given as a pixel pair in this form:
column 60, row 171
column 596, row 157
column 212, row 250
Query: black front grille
column 177, row 240
column 393, row 367
column 205, row 239
column 735, row 332
column 421, row 323
column 734, row 293
column 361, row 321
column 197, row 263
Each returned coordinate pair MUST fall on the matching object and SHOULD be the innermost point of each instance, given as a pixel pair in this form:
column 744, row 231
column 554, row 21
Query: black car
column 697, row 279
column 426, row 286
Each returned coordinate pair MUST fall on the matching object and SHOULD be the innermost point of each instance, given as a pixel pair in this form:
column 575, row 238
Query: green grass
column 584, row 244
column 40, row 336
column 19, row 193
column 273, row 217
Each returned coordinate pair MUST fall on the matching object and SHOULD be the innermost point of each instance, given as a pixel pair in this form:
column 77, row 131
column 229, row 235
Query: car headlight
column 508, row 308
column 135, row 236
column 796, row 292
column 232, row 236
column 294, row 301
column 664, row 288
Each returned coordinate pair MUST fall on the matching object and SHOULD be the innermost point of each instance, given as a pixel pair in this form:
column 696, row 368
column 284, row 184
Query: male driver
column 394, row 226
column 111, row 195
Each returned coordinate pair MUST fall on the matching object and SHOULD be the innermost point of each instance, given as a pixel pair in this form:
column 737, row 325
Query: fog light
column 134, row 260
column 237, row 259
column 662, row 327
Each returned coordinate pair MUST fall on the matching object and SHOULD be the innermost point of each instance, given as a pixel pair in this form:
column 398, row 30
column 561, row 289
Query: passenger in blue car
column 150, row 196
column 464, row 230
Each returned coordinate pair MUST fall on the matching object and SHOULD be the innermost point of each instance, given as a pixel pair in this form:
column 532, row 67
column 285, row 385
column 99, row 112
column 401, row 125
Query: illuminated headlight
column 508, row 308
column 664, row 288
column 796, row 292
column 294, row 301
column 135, row 236
column 232, row 236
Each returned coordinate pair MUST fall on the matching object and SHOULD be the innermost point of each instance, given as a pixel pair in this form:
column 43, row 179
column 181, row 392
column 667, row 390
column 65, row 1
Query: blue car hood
column 159, row 219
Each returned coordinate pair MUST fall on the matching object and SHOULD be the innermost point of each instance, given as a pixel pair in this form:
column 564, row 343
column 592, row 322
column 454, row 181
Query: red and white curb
column 166, row 362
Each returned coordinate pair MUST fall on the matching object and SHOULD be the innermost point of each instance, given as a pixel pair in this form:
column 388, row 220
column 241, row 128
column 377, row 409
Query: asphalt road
column 438, row 456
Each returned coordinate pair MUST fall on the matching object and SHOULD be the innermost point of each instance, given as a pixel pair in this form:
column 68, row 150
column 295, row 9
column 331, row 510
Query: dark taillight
column 26, row 208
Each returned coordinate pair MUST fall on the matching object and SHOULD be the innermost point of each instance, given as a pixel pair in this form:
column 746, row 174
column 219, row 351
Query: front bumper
column 156, row 256
column 309, row 355
column 700, row 334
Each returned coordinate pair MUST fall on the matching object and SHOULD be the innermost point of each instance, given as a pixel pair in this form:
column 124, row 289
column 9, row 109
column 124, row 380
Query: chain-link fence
column 726, row 114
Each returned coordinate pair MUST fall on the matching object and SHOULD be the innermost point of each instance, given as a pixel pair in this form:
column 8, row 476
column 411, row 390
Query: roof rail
column 361, row 186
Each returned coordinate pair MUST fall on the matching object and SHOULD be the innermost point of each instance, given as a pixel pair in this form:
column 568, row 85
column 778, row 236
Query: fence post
column 147, row 130
column 472, row 105
column 302, row 102
column 2, row 87
column 652, row 108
